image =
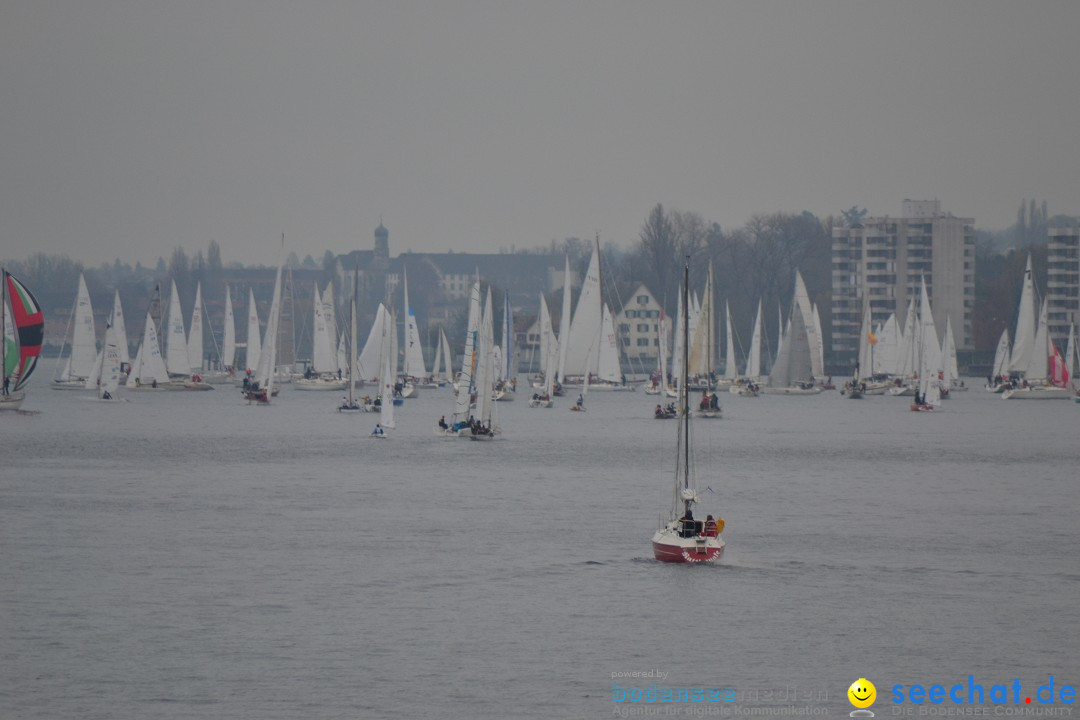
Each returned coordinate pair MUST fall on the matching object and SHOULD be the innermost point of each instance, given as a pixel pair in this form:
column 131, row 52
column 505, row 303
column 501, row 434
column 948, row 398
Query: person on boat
column 704, row 404
column 710, row 526
column 247, row 383
column 378, row 431
column 105, row 395
column 154, row 383
column 689, row 526
column 442, row 423
column 378, row 401
column 580, row 399
column 714, row 402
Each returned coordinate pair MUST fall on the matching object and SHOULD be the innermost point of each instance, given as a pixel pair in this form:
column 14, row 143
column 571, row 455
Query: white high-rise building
column 883, row 258
column 1063, row 280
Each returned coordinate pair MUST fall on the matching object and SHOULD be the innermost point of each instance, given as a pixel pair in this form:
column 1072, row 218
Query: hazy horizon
column 130, row 129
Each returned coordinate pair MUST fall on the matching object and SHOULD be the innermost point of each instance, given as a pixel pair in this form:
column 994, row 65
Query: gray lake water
column 186, row 555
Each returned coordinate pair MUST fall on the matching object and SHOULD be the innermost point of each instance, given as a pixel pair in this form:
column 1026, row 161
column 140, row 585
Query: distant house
column 638, row 326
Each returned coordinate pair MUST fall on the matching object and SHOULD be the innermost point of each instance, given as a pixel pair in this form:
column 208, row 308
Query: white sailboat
column 349, row 404
column 1045, row 377
column 107, row 378
column 506, row 372
column 485, row 428
column 387, row 380
column 564, row 331
column 195, row 334
column 684, row 539
column 254, row 333
column 79, row 365
column 120, row 329
column 323, row 374
column 1000, row 374
column 548, row 354
column 793, row 373
column 148, row 371
column 448, row 371
column 262, row 388
column 462, row 419
column 749, row 384
column 928, row 398
column 415, row 371
column 227, row 370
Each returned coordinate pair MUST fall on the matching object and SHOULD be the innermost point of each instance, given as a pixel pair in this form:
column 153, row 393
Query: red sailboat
column 686, row 539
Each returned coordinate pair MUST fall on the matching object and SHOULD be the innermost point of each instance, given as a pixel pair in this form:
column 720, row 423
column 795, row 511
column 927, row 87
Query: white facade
column 882, row 260
column 1063, row 281
column 637, row 327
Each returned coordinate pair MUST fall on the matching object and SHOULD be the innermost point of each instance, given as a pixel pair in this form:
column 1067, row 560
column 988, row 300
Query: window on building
column 642, row 299
column 643, row 327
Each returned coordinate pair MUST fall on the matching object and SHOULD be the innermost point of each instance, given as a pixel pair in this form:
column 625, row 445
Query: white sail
column 703, row 341
column 908, row 347
column 109, row 377
column 661, row 343
column 930, row 349
column 448, row 364
column 323, row 356
column 753, row 360
column 370, row 362
column 564, row 323
column 545, row 341
column 254, row 344
column 95, row 372
column 866, row 364
column 485, row 369
column 1039, row 358
column 438, row 359
column 414, row 353
column 80, row 363
column 779, row 336
column 264, row 375
column 1001, row 355
column 228, row 350
column 120, row 329
column 331, row 329
column 948, row 348
column 176, row 354
column 195, row 335
column 819, row 346
column 149, row 365
column 585, row 325
column 466, row 379
column 887, row 352
column 677, row 352
column 731, row 370
column 508, row 371
column 387, row 378
column 1024, row 343
column 607, row 364
column 813, row 334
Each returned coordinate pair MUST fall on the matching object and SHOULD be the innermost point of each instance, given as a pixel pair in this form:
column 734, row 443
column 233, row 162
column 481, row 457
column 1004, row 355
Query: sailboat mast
column 683, row 383
column 352, row 337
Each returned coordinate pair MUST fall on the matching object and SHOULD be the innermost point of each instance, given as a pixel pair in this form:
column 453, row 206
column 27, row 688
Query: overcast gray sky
column 127, row 128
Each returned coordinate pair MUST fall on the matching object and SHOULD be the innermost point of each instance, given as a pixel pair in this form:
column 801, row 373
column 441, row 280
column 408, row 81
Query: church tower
column 382, row 244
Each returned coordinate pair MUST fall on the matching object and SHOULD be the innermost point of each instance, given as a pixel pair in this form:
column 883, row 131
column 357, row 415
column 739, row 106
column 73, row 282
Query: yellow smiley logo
column 862, row 693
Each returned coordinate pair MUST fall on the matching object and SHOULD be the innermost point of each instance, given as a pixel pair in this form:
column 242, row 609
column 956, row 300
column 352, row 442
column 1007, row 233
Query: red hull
column 675, row 554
